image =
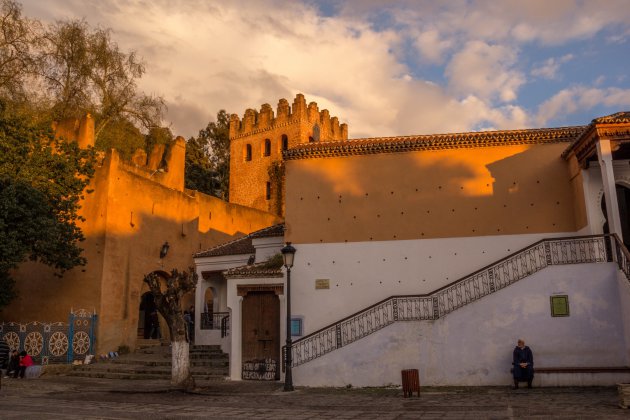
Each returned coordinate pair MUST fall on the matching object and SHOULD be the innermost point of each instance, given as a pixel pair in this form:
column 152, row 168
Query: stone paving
column 61, row 397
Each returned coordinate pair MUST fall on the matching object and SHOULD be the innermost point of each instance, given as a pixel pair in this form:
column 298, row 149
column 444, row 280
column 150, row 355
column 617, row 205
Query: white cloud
column 549, row 69
column 486, row 71
column 203, row 56
column 431, row 46
column 581, row 98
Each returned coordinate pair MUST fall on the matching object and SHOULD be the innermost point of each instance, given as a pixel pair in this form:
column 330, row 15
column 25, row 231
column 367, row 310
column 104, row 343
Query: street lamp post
column 288, row 252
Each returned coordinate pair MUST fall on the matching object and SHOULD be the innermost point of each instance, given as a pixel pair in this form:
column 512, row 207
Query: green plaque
column 559, row 305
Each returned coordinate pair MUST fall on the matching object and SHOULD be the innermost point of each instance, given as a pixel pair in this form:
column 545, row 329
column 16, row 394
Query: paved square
column 56, row 397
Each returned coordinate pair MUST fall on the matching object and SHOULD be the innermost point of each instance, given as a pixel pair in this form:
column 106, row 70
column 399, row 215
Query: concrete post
column 604, row 154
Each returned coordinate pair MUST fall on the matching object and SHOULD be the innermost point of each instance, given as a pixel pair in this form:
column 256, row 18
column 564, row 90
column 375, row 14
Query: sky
column 384, row 67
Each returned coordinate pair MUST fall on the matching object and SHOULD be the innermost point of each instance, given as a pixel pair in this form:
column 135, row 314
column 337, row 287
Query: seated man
column 523, row 361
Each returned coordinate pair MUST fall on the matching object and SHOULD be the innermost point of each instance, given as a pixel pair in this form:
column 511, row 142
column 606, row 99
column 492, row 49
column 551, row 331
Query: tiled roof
column 617, row 118
column 268, row 232
column 433, row 142
column 242, row 245
column 254, row 270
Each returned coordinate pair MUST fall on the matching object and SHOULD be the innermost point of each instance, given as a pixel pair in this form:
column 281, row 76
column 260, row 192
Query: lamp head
column 288, row 252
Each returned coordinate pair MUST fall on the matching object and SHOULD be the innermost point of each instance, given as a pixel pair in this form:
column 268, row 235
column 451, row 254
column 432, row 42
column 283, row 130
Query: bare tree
column 84, row 70
column 168, row 303
column 18, row 37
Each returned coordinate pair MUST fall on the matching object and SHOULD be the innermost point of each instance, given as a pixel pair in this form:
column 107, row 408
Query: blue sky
column 384, row 67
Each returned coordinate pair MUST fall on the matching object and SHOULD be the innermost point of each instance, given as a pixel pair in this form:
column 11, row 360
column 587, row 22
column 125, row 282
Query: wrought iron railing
column 623, row 257
column 434, row 305
column 212, row 320
column 225, row 326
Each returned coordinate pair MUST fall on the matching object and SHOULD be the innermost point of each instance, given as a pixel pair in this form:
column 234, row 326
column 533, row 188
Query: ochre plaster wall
column 128, row 218
column 502, row 190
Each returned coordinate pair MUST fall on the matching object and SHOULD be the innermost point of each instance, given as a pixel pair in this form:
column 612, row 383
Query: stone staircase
column 153, row 361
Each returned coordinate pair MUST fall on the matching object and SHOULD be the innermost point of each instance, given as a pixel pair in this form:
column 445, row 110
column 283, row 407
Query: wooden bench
column 605, row 369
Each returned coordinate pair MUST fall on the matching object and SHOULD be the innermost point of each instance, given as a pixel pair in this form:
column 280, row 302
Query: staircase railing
column 622, row 257
column 434, row 305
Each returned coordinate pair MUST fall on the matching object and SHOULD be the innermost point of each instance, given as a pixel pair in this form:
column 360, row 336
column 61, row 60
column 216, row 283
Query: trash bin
column 410, row 382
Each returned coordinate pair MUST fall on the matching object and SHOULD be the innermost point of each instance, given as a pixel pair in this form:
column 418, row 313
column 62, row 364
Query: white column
column 283, row 326
column 236, row 365
column 604, row 154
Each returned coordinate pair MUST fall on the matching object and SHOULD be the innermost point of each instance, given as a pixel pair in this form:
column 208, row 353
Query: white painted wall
column 222, row 263
column 624, row 302
column 473, row 345
column 363, row 273
column 267, row 247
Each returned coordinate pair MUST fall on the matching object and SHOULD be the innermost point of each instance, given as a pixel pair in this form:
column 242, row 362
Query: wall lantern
column 164, row 250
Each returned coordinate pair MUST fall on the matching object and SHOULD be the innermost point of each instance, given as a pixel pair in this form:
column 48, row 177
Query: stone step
column 145, row 370
column 167, row 362
column 132, row 376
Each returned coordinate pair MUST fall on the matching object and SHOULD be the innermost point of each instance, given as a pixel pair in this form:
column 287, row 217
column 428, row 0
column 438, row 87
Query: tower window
column 268, row 191
column 267, row 150
column 248, row 152
column 285, row 142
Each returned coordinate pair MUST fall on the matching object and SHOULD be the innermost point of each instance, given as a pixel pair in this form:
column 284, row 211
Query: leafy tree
column 208, row 158
column 158, row 135
column 198, row 173
column 42, row 181
column 123, row 136
column 67, row 69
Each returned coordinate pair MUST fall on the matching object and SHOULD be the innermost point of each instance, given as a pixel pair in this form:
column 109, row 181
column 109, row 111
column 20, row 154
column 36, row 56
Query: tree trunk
column 180, row 356
column 180, row 359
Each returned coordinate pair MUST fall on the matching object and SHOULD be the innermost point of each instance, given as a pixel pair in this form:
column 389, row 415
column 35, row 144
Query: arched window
column 285, row 142
column 248, row 152
column 267, row 150
column 268, row 191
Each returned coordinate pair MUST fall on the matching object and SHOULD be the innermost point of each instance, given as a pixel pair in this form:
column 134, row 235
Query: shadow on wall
column 416, row 195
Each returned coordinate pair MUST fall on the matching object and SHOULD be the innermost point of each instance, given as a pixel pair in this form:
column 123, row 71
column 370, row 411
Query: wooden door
column 261, row 330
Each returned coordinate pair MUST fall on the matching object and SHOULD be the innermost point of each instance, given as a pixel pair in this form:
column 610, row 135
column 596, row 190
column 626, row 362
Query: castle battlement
column 255, row 122
column 164, row 165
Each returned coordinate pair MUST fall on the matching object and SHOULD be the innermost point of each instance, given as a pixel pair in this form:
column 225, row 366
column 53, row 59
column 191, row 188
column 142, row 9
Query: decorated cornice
column 275, row 125
column 399, row 144
column 617, row 118
column 252, row 271
column 610, row 127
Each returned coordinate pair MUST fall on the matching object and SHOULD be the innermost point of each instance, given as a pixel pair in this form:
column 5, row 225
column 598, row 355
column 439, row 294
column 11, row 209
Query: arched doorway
column 147, row 318
column 150, row 323
column 207, row 321
column 623, row 201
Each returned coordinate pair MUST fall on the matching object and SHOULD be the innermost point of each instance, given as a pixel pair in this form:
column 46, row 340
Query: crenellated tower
column 258, row 140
